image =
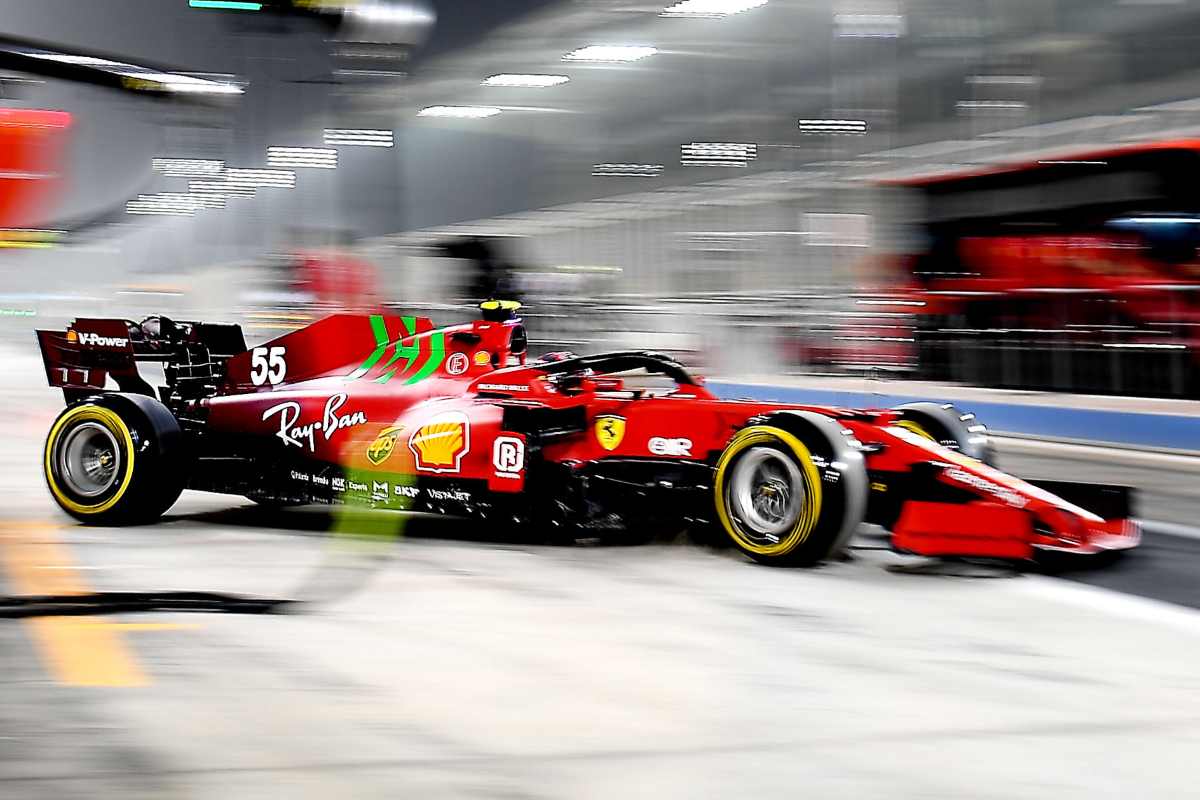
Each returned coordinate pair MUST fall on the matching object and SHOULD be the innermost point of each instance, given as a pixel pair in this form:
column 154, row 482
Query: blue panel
column 1118, row 427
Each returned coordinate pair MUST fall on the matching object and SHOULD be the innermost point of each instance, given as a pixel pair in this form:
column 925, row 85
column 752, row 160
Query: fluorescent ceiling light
column 610, row 53
column 381, row 12
column 275, row 178
column 223, row 188
column 459, row 112
column 717, row 154
column 175, row 204
column 627, row 170
column 313, row 157
column 186, row 84
column 187, row 167
column 1004, row 80
column 991, row 105
column 359, row 137
column 525, row 81
column 869, row 26
column 133, row 208
column 710, row 8
column 226, row 5
column 209, row 200
column 832, row 127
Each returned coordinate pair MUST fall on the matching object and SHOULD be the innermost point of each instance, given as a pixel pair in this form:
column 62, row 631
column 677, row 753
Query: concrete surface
column 443, row 667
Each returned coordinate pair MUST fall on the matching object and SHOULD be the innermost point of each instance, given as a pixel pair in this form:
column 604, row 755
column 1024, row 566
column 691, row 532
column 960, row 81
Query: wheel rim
column 766, row 494
column 89, row 460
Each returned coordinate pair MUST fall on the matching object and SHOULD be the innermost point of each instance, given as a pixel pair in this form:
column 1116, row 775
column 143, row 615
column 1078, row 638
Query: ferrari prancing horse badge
column 610, row 430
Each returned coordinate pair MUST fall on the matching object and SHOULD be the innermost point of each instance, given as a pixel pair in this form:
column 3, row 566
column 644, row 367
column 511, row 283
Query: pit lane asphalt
column 1167, row 565
column 441, row 666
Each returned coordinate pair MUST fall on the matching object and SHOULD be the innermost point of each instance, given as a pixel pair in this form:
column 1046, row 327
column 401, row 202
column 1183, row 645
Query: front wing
column 1003, row 529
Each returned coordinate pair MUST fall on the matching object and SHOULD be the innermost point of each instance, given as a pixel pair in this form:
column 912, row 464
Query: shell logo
column 440, row 444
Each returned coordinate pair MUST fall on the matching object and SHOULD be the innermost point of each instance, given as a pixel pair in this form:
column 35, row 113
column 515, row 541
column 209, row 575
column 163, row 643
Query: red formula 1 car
column 390, row 412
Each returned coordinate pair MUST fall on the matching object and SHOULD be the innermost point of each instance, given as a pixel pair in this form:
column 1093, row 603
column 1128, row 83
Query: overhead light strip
column 525, row 81
column 359, row 137
column 627, row 170
column 226, row 5
column 459, row 112
column 717, row 154
column 710, row 8
column 310, row 157
column 833, row 127
column 605, row 53
column 266, row 178
column 187, row 167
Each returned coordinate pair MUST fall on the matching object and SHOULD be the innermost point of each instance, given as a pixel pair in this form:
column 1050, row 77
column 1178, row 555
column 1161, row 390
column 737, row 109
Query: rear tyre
column 950, row 427
column 790, row 491
column 114, row 460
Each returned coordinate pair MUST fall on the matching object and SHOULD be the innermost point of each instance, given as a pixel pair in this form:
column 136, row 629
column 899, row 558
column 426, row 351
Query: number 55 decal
column 267, row 365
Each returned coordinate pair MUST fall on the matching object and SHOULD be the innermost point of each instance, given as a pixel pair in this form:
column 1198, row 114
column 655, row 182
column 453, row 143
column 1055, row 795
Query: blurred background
column 992, row 193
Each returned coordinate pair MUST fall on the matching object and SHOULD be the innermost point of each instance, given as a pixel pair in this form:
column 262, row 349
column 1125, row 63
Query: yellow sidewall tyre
column 790, row 490
column 948, row 426
column 108, row 462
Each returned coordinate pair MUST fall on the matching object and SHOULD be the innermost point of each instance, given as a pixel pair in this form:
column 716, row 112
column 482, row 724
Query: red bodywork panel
column 988, row 529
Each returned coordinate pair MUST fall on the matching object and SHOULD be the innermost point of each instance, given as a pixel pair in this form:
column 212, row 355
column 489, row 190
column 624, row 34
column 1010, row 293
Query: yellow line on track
column 80, row 651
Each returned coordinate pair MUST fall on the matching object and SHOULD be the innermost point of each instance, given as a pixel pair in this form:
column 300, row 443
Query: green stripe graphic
column 437, row 352
column 379, row 328
column 409, row 351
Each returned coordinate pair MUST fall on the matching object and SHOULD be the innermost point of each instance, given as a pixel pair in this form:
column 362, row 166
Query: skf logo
column 610, row 430
column 670, row 447
column 381, row 449
column 96, row 340
column 508, row 456
column 440, row 444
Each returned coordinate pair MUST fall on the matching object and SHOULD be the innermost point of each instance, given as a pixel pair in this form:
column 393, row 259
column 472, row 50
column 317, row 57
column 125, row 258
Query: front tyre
column 114, row 461
column 948, row 426
column 789, row 492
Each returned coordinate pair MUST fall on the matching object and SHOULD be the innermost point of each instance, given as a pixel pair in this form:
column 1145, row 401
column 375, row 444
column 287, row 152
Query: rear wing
column 81, row 358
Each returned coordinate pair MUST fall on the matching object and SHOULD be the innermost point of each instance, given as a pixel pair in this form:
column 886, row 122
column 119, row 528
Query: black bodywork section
column 1108, row 501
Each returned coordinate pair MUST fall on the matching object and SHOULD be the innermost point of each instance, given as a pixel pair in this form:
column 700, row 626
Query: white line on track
column 1170, row 529
column 1129, row 606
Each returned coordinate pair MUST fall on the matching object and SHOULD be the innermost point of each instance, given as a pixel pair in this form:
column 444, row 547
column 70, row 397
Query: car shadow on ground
column 315, row 520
